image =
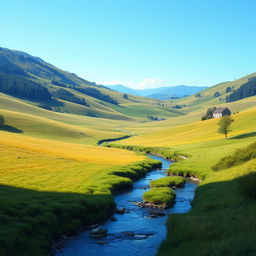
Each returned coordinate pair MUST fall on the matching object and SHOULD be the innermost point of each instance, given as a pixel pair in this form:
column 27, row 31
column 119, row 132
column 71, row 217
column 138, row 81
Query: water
column 134, row 233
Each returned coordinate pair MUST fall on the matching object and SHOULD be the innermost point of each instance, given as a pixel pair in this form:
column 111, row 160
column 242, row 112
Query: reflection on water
column 134, row 233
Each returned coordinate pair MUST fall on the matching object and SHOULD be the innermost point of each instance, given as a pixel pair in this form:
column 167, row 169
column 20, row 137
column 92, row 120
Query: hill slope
column 30, row 78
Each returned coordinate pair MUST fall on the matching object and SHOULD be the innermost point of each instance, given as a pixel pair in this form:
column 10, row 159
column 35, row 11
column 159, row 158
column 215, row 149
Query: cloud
column 150, row 83
column 146, row 83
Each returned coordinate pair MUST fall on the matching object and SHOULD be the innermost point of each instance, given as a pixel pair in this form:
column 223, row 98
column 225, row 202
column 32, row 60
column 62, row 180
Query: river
column 134, row 233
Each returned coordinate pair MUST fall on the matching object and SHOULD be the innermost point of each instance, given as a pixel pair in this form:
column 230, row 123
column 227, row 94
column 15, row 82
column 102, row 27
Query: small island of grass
column 160, row 196
column 169, row 181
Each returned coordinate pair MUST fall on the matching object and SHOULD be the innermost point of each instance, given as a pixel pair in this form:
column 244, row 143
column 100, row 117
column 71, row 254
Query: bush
column 164, row 152
column 161, row 195
column 238, row 157
column 168, row 181
column 1, row 120
column 44, row 106
column 216, row 94
column 209, row 114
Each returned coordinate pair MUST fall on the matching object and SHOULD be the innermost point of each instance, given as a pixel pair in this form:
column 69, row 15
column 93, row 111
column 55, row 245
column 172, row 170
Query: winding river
column 134, row 233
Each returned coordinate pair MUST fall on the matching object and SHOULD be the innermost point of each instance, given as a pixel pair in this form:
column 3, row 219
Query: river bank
column 138, row 231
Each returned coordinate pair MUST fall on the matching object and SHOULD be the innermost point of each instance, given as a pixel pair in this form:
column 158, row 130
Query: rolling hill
column 215, row 96
column 54, row 178
column 32, row 80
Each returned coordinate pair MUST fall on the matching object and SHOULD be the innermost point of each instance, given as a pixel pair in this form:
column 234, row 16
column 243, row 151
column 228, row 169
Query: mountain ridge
column 161, row 93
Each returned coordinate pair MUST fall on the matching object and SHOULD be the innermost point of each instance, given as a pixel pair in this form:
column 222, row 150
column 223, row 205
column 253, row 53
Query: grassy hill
column 54, row 179
column 207, row 99
column 99, row 101
column 222, row 218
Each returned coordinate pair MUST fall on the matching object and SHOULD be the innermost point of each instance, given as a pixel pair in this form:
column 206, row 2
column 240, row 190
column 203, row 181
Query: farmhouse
column 219, row 112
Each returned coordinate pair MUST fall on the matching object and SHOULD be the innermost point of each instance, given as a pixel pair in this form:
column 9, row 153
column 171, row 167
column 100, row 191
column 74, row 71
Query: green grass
column 162, row 151
column 161, row 195
column 222, row 220
column 169, row 181
column 240, row 156
column 50, row 188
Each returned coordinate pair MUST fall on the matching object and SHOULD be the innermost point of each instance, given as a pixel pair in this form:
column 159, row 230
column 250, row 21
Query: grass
column 162, row 151
column 49, row 188
column 161, row 195
column 240, row 156
column 52, row 183
column 169, row 181
column 222, row 220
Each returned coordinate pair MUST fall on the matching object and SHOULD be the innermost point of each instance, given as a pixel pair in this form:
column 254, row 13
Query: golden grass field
column 56, row 166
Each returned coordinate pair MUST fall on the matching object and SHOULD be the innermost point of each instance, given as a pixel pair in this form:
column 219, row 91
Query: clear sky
column 140, row 43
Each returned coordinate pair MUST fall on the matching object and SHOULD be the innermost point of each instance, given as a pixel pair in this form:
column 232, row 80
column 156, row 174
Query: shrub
column 216, row 94
column 209, row 114
column 168, row 182
column 238, row 157
column 1, row 120
column 44, row 106
column 161, row 195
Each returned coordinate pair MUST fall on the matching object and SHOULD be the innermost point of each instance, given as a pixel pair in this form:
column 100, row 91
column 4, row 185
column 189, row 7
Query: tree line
column 95, row 93
column 22, row 87
column 246, row 90
column 68, row 96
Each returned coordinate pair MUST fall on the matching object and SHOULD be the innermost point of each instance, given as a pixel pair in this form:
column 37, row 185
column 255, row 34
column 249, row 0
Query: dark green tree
column 224, row 125
column 125, row 96
column 216, row 94
column 1, row 120
column 228, row 89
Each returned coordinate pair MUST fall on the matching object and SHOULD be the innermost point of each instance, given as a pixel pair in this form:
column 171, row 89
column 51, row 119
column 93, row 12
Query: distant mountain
column 162, row 93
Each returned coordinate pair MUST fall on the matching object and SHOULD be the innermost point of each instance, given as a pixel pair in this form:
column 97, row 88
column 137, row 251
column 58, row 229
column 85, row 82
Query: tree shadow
column 244, row 136
column 8, row 128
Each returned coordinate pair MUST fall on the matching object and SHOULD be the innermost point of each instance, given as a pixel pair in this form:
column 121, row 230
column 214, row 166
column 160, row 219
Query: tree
column 216, row 94
column 198, row 95
column 125, row 96
column 224, row 125
column 209, row 114
column 228, row 89
column 1, row 120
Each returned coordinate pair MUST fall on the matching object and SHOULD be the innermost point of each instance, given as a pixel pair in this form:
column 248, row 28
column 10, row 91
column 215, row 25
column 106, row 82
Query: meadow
column 221, row 221
column 55, row 180
column 59, row 185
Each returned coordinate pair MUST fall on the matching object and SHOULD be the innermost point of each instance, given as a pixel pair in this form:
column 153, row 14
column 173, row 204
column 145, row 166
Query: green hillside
column 206, row 98
column 53, row 174
column 21, row 73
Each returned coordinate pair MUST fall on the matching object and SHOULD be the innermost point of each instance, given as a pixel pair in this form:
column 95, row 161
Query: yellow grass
column 47, row 165
column 200, row 131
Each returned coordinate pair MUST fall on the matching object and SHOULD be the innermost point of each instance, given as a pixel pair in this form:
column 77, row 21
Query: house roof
column 218, row 110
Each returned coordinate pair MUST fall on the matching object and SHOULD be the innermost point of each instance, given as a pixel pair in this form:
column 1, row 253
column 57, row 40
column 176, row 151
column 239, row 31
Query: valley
column 56, row 180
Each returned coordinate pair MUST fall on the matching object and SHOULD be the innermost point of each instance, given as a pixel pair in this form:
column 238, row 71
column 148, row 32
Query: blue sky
column 139, row 43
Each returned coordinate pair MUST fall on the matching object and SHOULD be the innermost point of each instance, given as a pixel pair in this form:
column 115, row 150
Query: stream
column 134, row 233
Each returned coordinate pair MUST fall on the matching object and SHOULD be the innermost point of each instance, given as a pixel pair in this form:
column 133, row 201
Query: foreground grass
column 222, row 220
column 51, row 188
